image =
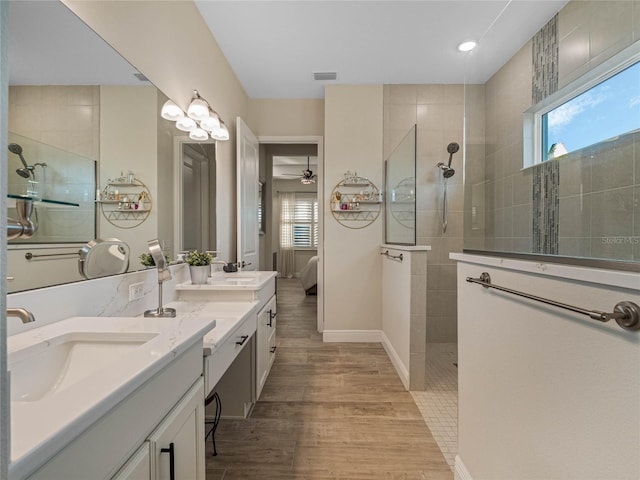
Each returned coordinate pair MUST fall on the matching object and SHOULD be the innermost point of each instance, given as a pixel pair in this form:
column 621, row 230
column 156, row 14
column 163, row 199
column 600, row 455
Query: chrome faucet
column 22, row 313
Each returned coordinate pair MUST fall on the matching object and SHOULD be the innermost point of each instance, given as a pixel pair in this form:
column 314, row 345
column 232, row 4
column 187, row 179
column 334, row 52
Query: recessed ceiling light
column 467, row 46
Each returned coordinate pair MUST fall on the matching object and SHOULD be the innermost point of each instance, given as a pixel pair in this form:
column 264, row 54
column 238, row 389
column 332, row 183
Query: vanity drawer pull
column 272, row 315
column 172, row 460
column 243, row 339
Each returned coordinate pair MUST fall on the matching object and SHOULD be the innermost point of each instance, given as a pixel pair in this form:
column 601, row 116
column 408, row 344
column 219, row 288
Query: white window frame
column 532, row 118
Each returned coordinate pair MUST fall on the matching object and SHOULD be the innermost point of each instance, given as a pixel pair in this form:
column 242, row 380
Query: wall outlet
column 136, row 291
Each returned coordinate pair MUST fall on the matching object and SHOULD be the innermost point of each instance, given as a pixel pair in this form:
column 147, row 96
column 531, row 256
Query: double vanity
column 122, row 397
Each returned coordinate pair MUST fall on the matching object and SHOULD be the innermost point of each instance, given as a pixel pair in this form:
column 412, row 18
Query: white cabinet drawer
column 216, row 364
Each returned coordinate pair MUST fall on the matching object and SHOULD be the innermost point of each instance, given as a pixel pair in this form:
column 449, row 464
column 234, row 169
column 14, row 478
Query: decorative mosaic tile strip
column 546, row 207
column 546, row 177
column 545, row 61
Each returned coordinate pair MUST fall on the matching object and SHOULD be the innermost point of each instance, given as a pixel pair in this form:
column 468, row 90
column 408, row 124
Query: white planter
column 199, row 274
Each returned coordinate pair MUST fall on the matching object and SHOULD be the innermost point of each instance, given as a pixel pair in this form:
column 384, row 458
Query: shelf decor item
column 355, row 201
column 199, row 266
column 125, row 204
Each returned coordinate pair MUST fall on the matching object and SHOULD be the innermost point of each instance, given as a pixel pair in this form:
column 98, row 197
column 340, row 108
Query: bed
column 309, row 276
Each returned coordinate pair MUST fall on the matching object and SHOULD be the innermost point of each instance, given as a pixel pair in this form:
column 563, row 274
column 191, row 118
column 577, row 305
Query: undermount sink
column 43, row 369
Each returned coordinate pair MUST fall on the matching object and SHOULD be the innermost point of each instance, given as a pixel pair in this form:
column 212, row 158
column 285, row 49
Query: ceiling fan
column 307, row 177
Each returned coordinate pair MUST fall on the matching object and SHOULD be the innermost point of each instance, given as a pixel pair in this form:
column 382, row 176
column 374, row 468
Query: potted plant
column 146, row 259
column 199, row 266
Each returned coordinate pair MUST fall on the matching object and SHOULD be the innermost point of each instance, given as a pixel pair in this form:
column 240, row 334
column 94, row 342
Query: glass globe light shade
column 221, row 133
column 211, row 122
column 198, row 109
column 171, row 111
column 186, row 124
column 198, row 135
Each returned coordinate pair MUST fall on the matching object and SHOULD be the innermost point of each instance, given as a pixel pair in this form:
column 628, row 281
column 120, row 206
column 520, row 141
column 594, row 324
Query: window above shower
column 599, row 107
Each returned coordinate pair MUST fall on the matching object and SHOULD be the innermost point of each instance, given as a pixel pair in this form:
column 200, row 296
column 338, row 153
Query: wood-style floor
column 327, row 411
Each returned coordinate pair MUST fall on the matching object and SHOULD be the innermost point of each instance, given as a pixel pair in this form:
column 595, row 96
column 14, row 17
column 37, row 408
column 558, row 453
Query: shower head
column 447, row 171
column 17, row 149
column 452, row 148
column 23, row 172
column 27, row 171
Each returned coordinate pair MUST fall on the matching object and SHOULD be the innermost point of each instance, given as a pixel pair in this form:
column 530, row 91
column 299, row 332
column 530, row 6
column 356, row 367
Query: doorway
column 297, row 149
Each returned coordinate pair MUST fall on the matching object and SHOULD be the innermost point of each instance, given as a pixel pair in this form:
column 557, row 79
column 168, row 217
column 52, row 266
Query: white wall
column 129, row 141
column 545, row 393
column 174, row 66
column 353, row 141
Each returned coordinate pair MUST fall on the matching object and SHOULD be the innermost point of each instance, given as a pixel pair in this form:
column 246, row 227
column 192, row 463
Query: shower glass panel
column 53, row 174
column 400, row 196
column 580, row 205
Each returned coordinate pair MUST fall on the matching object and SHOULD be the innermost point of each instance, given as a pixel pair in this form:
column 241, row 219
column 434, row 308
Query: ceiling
column 275, row 46
column 48, row 35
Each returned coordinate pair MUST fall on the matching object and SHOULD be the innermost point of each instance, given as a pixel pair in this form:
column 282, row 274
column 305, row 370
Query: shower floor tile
column 438, row 404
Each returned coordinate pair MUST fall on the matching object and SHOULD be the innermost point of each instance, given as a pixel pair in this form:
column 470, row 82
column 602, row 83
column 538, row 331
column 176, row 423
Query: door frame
column 317, row 140
column 177, row 188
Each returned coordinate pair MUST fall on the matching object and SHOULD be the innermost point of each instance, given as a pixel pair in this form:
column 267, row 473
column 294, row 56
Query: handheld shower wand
column 27, row 170
column 447, row 172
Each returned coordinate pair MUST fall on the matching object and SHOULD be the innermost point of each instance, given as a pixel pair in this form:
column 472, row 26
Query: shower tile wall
column 438, row 111
column 599, row 193
column 67, row 118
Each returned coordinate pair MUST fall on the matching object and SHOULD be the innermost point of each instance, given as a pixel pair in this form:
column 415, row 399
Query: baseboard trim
column 461, row 472
column 403, row 373
column 352, row 336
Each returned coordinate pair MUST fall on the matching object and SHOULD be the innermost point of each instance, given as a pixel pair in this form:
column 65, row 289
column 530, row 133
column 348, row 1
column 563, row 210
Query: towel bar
column 626, row 314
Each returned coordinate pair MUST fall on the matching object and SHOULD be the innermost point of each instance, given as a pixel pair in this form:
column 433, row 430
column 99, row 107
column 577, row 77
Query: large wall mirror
column 85, row 121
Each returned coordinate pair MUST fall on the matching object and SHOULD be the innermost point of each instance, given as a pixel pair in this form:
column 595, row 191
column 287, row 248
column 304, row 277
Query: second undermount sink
column 41, row 370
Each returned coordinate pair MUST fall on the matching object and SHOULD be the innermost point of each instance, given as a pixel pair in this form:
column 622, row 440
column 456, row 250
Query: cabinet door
column 261, row 349
column 266, row 328
column 177, row 445
column 138, row 467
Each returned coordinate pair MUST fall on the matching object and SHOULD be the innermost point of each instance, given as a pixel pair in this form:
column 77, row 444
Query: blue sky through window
column 609, row 109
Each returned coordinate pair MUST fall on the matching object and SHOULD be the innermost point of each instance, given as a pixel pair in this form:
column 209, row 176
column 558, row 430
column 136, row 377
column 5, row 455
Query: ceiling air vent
column 325, row 75
column 141, row 77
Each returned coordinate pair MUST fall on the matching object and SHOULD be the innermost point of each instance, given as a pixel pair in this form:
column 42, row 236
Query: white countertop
column 243, row 280
column 41, row 428
column 227, row 315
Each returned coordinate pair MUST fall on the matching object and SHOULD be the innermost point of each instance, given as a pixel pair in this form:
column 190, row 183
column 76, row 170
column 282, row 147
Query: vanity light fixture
column 171, row 111
column 467, row 46
column 201, row 121
column 198, row 108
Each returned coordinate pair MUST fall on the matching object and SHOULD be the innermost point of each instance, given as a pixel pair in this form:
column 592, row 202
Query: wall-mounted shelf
column 355, row 202
column 125, row 204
